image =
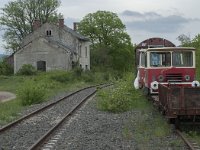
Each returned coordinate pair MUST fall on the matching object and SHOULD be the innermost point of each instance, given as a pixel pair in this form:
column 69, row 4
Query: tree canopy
column 17, row 18
column 195, row 42
column 111, row 45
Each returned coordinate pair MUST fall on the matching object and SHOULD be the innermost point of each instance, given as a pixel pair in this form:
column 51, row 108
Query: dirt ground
column 6, row 96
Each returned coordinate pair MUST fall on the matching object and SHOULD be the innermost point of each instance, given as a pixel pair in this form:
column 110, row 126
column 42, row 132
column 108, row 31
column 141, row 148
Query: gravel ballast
column 26, row 133
column 93, row 129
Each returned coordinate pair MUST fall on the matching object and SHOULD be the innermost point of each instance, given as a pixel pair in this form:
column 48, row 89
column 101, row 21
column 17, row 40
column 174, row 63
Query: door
column 41, row 65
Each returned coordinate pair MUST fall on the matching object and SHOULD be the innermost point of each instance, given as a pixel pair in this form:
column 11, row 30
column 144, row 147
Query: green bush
column 118, row 99
column 27, row 69
column 88, row 76
column 77, row 71
column 62, row 76
column 31, row 92
column 5, row 68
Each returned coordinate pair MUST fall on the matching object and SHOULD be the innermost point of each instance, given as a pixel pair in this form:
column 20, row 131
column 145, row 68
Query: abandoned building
column 51, row 47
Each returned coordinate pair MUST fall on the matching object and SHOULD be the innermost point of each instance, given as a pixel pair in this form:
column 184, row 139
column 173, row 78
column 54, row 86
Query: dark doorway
column 41, row 65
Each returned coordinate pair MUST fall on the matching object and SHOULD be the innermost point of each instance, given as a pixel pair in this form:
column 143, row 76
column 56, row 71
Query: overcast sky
column 143, row 18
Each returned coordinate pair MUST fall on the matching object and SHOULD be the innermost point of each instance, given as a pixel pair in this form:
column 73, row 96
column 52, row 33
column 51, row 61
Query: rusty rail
column 48, row 133
column 189, row 144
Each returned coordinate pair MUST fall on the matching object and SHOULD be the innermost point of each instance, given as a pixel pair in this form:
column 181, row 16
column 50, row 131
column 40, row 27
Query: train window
column 143, row 60
column 160, row 59
column 182, row 59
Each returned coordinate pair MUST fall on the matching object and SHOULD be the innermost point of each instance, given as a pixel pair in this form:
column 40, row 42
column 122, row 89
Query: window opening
column 41, row 65
column 180, row 59
column 160, row 59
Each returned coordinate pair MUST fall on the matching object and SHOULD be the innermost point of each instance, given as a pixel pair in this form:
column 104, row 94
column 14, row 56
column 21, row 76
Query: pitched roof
column 76, row 34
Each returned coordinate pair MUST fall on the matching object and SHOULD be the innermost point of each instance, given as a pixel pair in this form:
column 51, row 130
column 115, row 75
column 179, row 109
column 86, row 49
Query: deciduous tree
column 111, row 45
column 17, row 18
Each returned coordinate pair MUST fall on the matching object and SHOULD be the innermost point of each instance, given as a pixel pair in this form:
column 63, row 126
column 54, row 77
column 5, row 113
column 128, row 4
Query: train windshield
column 160, row 59
column 182, row 59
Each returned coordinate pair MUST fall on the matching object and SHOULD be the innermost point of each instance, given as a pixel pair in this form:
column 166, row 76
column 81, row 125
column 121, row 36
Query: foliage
column 111, row 45
column 50, row 81
column 17, row 18
column 8, row 111
column 77, row 71
column 195, row 42
column 117, row 99
column 61, row 76
column 31, row 93
column 27, row 69
column 5, row 68
column 184, row 39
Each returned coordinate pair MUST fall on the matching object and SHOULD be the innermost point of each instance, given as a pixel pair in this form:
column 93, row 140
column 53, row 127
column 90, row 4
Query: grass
column 192, row 132
column 147, row 125
column 53, row 82
column 121, row 98
column 8, row 111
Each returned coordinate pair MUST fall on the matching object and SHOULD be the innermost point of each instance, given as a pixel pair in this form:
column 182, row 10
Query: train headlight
column 195, row 84
column 160, row 78
column 154, row 85
column 187, row 78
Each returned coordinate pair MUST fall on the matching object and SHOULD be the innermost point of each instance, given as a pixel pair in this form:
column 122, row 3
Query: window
column 182, row 59
column 48, row 32
column 160, row 59
column 143, row 59
column 85, row 51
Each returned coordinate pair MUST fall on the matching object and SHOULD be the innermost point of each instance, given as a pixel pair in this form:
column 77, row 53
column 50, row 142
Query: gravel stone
column 29, row 131
column 92, row 129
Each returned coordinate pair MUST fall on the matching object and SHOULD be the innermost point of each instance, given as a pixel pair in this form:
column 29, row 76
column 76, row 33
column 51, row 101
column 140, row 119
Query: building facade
column 52, row 47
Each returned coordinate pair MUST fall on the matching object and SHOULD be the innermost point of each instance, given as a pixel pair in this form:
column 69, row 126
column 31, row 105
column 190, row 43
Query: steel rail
column 48, row 133
column 185, row 140
column 6, row 127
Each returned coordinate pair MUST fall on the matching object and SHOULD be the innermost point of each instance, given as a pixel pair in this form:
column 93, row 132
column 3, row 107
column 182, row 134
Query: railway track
column 30, row 131
column 189, row 142
column 192, row 145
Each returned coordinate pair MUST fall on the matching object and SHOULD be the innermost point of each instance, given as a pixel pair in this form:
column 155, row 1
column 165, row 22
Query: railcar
column 169, row 72
column 166, row 66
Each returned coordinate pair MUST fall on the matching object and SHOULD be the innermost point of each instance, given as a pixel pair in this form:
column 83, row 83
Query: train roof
column 168, row 49
column 155, row 42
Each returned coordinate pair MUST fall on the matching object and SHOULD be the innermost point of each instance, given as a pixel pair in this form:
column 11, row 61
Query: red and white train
column 169, row 71
column 160, row 62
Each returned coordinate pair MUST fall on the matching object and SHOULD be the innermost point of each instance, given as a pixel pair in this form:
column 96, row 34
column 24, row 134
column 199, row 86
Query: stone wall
column 40, row 50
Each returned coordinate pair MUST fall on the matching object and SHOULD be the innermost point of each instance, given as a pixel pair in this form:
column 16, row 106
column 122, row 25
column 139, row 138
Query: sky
column 143, row 18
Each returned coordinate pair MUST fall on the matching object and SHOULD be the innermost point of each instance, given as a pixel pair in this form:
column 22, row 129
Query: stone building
column 52, row 47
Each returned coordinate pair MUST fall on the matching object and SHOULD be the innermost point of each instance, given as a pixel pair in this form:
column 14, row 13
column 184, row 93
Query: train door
column 142, row 68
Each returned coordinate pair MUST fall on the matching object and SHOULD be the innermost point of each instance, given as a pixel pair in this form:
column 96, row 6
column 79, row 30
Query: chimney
column 75, row 26
column 36, row 24
column 61, row 23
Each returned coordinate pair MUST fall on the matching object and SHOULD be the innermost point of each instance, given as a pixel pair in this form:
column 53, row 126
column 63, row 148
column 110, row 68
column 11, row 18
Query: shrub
column 61, row 76
column 5, row 68
column 78, row 71
column 88, row 76
column 27, row 69
column 118, row 99
column 31, row 93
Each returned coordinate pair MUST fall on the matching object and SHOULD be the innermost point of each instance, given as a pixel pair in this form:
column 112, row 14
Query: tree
column 111, row 45
column 17, row 19
column 184, row 39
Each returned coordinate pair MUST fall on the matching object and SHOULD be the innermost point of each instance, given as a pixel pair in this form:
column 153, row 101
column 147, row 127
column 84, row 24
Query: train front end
column 170, row 66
